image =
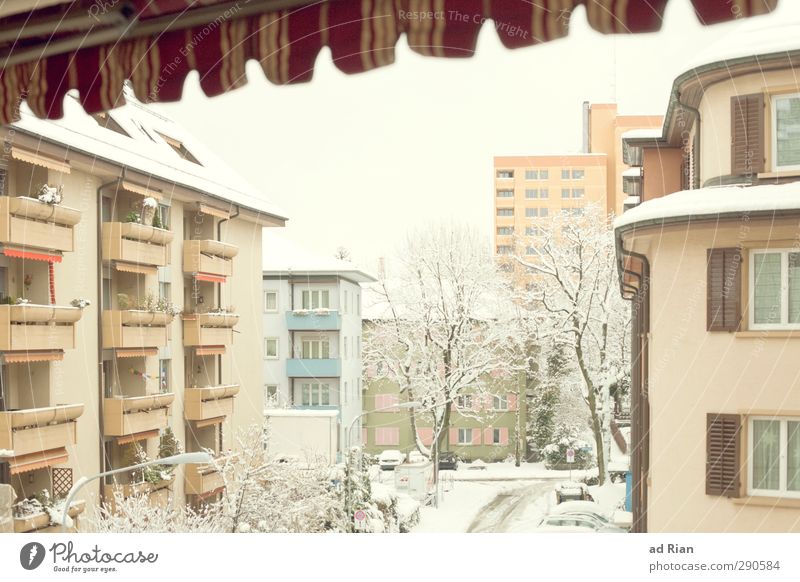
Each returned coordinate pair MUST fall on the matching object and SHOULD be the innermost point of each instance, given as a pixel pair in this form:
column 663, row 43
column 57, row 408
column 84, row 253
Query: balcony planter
column 217, row 319
column 209, row 402
column 33, row 313
column 138, row 243
column 37, row 327
column 40, row 521
column 27, row 222
column 135, row 414
column 209, row 256
column 34, row 430
column 135, row 328
column 209, row 329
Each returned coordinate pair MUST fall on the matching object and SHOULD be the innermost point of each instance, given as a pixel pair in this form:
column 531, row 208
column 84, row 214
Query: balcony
column 314, row 368
column 209, row 402
column 211, row 257
column 29, row 223
column 313, row 320
column 40, row 522
column 135, row 328
column 34, row 430
column 209, row 329
column 204, row 479
column 132, row 242
column 136, row 414
column 37, row 327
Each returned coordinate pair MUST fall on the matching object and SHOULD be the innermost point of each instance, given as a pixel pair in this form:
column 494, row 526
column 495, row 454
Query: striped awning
column 38, row 159
column 95, row 46
column 40, row 460
column 210, row 351
column 139, row 436
column 33, row 356
column 134, row 268
column 213, row 211
column 136, row 352
column 209, row 422
column 38, row 256
column 134, row 188
column 210, row 278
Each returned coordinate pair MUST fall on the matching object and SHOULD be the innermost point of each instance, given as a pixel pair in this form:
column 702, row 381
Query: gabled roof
column 281, row 257
column 145, row 150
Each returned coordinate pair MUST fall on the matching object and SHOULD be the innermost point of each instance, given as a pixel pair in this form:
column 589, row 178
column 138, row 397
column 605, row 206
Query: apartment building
column 127, row 266
column 708, row 256
column 312, row 339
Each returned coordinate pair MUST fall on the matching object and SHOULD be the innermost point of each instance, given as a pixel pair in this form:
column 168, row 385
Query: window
column 358, row 303
column 565, row 174
column 565, row 193
column 544, row 193
column 505, row 173
column 533, row 231
column 105, row 120
column 774, row 289
column 577, row 174
column 316, row 394
column 500, row 402
column 531, row 193
column 505, row 193
column 270, row 301
column 543, row 212
column 544, row 174
column 345, row 302
column 577, row 192
column 164, row 290
column 505, row 230
column 345, row 347
column 271, row 395
column 315, row 349
column 464, row 401
column 505, row 212
column 773, row 453
column 164, row 382
column 786, row 131
column 531, row 174
column 346, row 393
column 316, row 299
column 271, row 348
column 385, row 436
column 358, row 346
column 179, row 149
column 532, row 251
column 531, row 212
column 163, row 215
column 465, row 436
column 503, row 249
column 572, row 211
column 496, row 436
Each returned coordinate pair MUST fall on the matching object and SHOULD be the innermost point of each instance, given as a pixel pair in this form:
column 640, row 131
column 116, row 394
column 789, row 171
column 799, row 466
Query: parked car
column 388, row 460
column 416, row 457
column 586, row 521
column 580, row 507
column 448, row 461
column 572, row 491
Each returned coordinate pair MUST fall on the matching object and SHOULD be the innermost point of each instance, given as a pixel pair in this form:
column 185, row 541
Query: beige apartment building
column 709, row 256
column 96, row 362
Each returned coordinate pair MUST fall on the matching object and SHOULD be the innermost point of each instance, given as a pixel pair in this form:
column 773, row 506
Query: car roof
column 576, row 505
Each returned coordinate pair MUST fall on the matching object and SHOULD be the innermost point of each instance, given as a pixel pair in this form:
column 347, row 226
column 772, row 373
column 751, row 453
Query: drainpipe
column 219, row 289
column 696, row 144
column 100, row 307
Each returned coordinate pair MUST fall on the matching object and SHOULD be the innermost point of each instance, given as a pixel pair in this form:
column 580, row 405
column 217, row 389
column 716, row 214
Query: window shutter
column 723, row 295
column 723, row 438
column 747, row 134
column 453, row 436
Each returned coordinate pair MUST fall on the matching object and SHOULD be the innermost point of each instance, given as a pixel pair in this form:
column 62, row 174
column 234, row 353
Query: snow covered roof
column 635, row 172
column 753, row 37
column 282, row 257
column 705, row 202
column 648, row 132
column 631, row 200
column 147, row 151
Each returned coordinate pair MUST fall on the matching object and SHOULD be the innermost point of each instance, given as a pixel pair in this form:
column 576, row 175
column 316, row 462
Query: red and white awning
column 95, row 47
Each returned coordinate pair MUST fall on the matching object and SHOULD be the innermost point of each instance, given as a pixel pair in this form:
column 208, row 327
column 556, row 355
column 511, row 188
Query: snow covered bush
column 555, row 453
column 51, row 195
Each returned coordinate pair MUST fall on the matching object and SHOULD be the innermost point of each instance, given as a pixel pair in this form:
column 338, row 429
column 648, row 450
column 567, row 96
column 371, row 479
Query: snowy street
column 512, row 510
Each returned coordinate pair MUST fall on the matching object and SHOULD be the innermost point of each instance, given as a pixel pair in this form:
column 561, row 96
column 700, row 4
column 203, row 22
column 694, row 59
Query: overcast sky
column 360, row 160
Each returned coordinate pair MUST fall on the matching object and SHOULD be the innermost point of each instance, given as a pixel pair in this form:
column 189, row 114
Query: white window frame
column 277, row 348
column 315, row 391
column 267, row 292
column 312, row 341
column 774, row 128
column 784, row 324
column 531, row 174
column 505, row 193
column 315, row 296
column 783, row 467
column 464, row 401
column 502, row 398
column 505, row 212
column 462, row 431
column 271, row 399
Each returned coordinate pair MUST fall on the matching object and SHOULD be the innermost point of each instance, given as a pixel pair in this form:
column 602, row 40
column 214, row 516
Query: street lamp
column 182, row 459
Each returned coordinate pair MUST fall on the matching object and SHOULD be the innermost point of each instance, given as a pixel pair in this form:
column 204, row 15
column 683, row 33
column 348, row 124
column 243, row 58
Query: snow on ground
column 507, row 472
column 458, row 507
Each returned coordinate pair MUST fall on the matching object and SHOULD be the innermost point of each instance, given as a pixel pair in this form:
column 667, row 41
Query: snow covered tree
column 545, row 398
column 445, row 324
column 573, row 289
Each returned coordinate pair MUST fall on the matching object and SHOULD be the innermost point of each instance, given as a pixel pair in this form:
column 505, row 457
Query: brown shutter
column 723, row 438
column 723, row 295
column 747, row 134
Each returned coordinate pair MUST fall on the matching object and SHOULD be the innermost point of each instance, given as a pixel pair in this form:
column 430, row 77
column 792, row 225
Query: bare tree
column 342, row 254
column 571, row 286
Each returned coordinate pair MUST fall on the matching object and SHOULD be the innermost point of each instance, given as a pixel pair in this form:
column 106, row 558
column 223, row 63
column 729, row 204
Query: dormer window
column 108, row 122
column 179, row 148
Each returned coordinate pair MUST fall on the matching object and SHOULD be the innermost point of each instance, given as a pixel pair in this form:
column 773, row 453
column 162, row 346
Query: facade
column 709, row 258
column 312, row 333
column 486, row 426
column 84, row 387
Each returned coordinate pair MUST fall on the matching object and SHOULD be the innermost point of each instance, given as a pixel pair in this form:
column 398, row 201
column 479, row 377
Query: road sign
column 360, row 515
column 570, row 455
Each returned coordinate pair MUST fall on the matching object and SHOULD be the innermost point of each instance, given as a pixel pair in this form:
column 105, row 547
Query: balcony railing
column 209, row 256
column 209, row 329
column 37, row 327
column 135, row 329
column 204, row 479
column 35, row 430
column 209, row 402
column 40, row 522
column 29, row 223
column 314, row 368
column 135, row 414
column 132, row 242
column 313, row 320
